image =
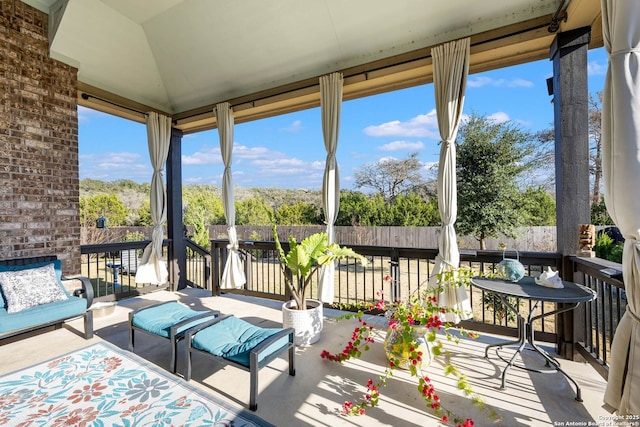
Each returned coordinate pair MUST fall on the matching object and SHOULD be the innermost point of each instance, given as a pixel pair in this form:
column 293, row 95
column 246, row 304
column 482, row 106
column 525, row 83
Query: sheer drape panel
column 450, row 70
column 233, row 273
column 330, row 102
column 152, row 268
column 621, row 167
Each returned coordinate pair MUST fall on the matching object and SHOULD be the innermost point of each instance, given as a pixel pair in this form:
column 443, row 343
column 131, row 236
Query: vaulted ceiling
column 181, row 57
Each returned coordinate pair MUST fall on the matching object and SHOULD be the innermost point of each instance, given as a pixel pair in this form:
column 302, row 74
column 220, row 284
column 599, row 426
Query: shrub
column 606, row 248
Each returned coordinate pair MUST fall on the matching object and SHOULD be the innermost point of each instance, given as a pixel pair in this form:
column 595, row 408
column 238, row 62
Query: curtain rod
column 252, row 102
column 560, row 15
column 86, row 96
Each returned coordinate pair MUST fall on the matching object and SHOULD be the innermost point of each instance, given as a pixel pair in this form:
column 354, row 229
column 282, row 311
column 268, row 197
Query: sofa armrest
column 86, row 290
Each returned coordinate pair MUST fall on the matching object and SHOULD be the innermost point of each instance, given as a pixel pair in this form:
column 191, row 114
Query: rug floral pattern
column 103, row 386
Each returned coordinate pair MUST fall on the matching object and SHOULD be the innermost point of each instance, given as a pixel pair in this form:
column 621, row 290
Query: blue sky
column 288, row 151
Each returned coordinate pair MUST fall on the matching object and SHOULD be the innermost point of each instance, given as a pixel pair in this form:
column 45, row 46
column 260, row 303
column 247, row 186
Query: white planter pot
column 307, row 323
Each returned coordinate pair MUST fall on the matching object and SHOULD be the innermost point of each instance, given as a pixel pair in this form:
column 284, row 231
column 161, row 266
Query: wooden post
column 571, row 124
column 175, row 231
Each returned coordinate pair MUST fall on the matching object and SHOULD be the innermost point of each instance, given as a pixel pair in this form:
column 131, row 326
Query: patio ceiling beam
column 510, row 45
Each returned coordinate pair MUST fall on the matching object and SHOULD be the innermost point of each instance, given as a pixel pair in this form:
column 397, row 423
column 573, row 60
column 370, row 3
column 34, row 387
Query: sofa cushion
column 27, row 288
column 42, row 314
column 57, row 265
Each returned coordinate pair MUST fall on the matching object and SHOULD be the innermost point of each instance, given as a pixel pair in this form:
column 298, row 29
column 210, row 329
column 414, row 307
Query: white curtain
column 233, row 274
column 450, row 70
column 621, row 166
column 330, row 103
column 152, row 268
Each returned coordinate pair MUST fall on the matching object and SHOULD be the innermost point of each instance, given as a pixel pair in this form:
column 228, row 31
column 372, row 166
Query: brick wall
column 39, row 186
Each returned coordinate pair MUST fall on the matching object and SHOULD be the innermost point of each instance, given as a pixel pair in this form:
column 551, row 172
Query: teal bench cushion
column 234, row 338
column 41, row 314
column 159, row 320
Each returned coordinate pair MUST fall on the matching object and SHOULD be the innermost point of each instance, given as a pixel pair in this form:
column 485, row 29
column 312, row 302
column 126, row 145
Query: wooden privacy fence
column 535, row 239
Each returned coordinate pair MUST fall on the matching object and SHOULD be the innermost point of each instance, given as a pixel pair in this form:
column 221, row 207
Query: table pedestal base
column 525, row 336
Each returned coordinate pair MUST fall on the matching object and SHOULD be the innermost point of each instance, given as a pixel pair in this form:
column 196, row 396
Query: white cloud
column 499, row 117
column 423, row 125
column 111, row 158
column 277, row 163
column 244, row 152
column 386, row 159
column 85, row 114
column 206, row 155
column 255, row 166
column 519, row 83
column 196, row 180
column 210, row 155
column 596, row 69
column 112, row 166
column 402, row 146
column 296, row 126
column 480, row 81
column 430, row 166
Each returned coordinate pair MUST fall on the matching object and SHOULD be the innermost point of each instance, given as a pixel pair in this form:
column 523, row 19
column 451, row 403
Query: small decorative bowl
column 511, row 269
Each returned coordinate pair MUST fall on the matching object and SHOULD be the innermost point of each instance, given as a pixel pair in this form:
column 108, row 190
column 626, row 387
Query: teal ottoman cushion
column 159, row 320
column 234, row 338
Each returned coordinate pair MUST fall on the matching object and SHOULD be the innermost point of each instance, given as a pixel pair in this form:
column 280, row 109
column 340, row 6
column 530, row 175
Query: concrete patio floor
column 314, row 397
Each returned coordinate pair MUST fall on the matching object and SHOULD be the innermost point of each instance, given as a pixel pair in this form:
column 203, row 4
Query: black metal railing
column 198, row 274
column 391, row 274
column 111, row 268
column 597, row 321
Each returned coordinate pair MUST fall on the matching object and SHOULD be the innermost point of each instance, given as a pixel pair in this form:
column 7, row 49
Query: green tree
column 144, row 215
column 599, row 214
column 200, row 229
column 253, row 211
column 360, row 209
column 133, row 236
column 491, row 158
column 391, row 177
column 107, row 205
column 202, row 205
column 410, row 210
column 538, row 206
column 202, row 209
column 298, row 213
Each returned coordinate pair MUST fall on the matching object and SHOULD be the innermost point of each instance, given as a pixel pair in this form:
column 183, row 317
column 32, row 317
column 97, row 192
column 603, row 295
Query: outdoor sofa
column 34, row 295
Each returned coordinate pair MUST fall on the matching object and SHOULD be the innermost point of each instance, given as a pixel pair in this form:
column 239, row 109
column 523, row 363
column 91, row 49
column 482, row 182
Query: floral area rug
column 102, row 385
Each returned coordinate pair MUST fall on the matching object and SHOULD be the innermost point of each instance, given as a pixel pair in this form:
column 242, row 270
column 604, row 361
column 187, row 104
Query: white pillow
column 24, row 289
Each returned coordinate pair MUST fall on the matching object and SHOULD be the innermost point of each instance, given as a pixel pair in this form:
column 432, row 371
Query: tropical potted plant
column 299, row 266
column 416, row 335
